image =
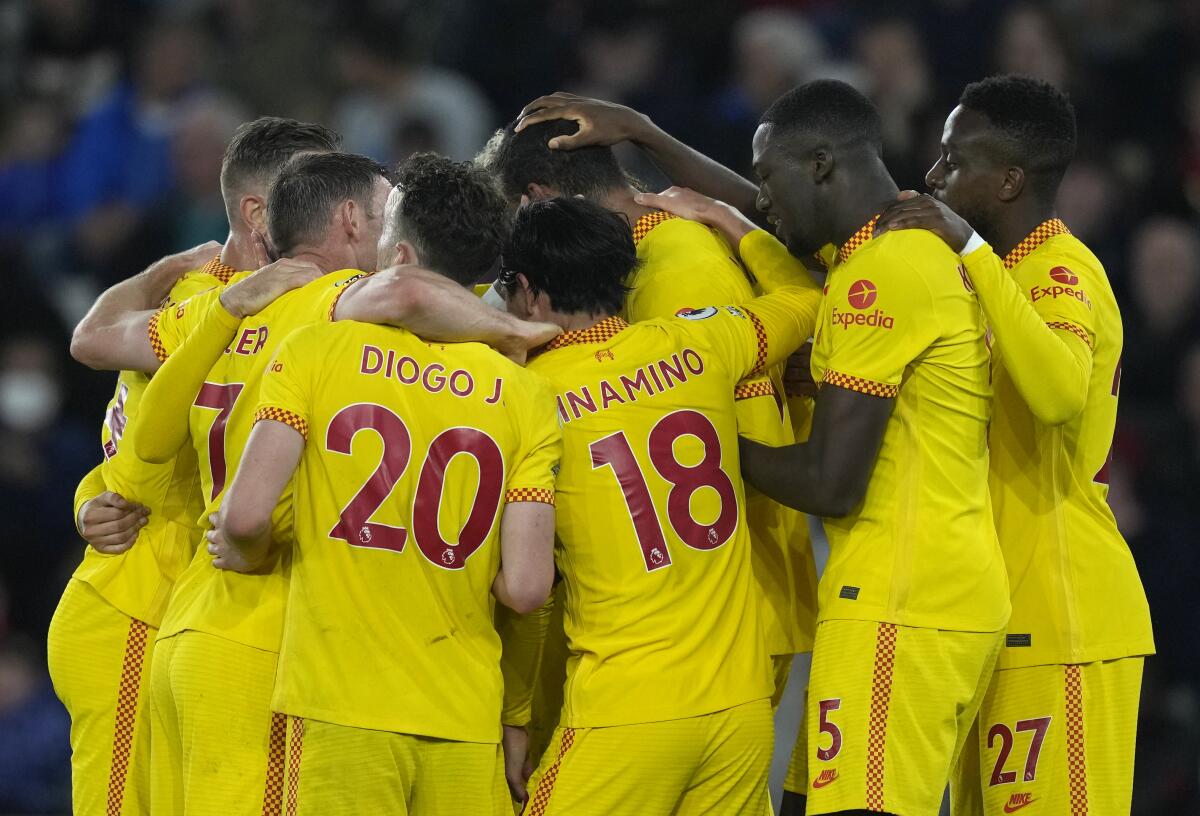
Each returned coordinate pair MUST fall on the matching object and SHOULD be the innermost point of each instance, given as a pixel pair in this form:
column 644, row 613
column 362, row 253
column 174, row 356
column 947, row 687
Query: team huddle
column 482, row 487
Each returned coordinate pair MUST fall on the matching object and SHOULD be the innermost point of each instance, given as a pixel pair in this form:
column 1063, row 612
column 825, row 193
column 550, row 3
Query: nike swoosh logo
column 822, row 781
column 1009, row 807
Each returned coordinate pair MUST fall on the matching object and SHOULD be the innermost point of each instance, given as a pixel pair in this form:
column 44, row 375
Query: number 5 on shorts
column 826, row 727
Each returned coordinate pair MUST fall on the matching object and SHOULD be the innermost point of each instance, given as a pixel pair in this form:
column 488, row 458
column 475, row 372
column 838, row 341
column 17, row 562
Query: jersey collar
column 865, row 233
column 220, row 271
column 602, row 332
column 648, row 222
column 1041, row 233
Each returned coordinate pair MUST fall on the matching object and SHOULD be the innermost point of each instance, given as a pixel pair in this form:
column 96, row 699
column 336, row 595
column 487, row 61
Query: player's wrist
column 973, row 242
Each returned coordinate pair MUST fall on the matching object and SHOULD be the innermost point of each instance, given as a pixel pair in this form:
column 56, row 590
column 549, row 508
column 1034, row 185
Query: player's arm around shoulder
column 113, row 334
column 1040, row 317
column 434, row 307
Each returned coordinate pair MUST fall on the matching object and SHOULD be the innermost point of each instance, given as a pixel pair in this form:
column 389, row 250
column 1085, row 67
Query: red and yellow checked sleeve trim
column 760, row 334
column 292, row 420
column 221, row 271
column 1074, row 329
column 749, row 390
column 529, row 494
column 648, row 222
column 1041, row 233
column 156, row 343
column 863, row 386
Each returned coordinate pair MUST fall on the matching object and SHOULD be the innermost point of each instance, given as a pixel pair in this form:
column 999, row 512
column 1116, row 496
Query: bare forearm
column 688, row 167
column 430, row 306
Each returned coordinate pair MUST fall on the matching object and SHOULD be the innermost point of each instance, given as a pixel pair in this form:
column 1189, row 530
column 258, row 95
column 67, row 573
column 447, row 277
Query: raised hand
column 695, row 206
column 600, row 123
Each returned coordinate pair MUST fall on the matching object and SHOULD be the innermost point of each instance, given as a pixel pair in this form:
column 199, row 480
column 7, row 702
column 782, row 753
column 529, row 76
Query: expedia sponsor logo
column 862, row 294
column 1063, row 275
column 1065, row 284
column 876, row 319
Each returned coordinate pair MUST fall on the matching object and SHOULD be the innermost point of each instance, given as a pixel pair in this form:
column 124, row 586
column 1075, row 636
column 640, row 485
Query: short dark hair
column 1035, row 122
column 831, row 108
column 260, row 149
column 519, row 159
column 454, row 214
column 309, row 187
column 577, row 252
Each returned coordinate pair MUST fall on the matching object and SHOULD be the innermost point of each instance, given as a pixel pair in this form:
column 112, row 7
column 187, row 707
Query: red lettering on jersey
column 495, row 397
column 1038, row 292
column 433, row 379
column 877, row 319
column 693, row 362
column 461, row 390
column 372, row 360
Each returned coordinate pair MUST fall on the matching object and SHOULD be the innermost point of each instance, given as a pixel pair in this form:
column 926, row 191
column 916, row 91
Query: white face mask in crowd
column 29, row 400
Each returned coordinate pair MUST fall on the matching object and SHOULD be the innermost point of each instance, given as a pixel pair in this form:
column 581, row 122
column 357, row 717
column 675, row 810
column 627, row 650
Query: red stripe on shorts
column 293, row 782
column 537, row 804
column 1076, row 756
column 881, row 699
column 126, row 720
column 276, row 752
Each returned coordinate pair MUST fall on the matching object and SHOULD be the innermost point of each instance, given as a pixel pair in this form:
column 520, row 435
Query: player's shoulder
column 683, row 236
column 906, row 251
column 1066, row 251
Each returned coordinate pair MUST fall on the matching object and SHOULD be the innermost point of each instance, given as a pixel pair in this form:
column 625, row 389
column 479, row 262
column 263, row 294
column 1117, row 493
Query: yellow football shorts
column 336, row 770
column 1060, row 736
column 714, row 763
column 218, row 749
column 889, row 710
column 99, row 661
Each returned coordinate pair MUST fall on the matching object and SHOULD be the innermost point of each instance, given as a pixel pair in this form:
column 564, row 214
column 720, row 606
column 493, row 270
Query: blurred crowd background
column 114, row 115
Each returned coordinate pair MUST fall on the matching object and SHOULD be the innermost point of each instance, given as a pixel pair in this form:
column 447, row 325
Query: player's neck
column 327, row 259
column 1017, row 224
column 575, row 321
column 622, row 201
column 238, row 251
column 866, row 198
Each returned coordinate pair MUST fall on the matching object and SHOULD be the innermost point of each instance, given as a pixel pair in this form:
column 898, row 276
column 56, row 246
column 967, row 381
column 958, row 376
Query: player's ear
column 1011, row 184
column 406, row 253
column 822, row 164
column 348, row 213
column 253, row 210
column 539, row 192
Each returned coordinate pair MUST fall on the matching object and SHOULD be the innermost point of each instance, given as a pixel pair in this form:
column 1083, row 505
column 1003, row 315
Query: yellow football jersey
column 246, row 609
column 660, row 610
column 685, row 264
column 898, row 320
column 413, row 450
column 1076, row 593
column 138, row 581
